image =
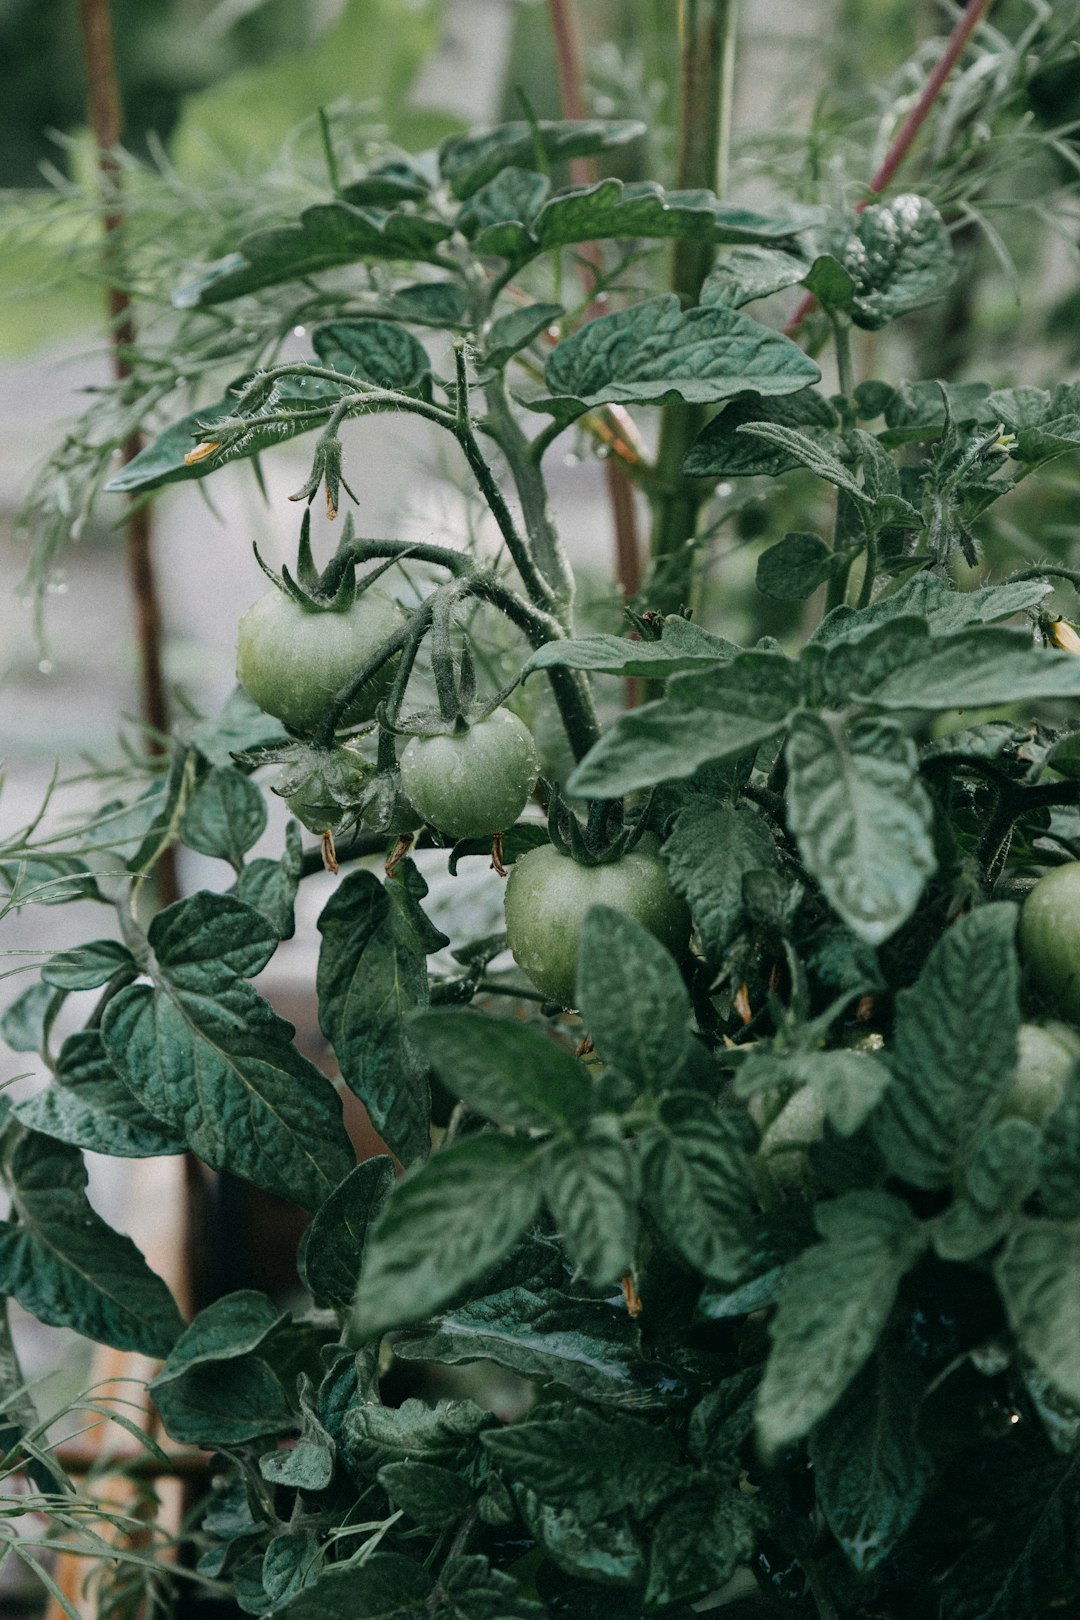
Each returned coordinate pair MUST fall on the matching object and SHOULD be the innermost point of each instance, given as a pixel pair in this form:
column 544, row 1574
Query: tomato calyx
column 606, row 835
column 336, row 588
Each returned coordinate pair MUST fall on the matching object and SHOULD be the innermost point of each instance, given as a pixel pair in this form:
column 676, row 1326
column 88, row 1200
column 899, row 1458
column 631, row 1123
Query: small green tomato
column 1046, row 1055
column 1049, row 938
column 475, row 782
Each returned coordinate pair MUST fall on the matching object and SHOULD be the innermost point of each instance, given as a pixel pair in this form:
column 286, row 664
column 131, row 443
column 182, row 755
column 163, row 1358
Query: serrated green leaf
column 290, row 1563
column 85, row 967
column 838, row 1296
column 704, row 717
column 90, row 1107
column 332, row 1247
column 270, row 886
column 697, row 1185
column 226, row 815
column 497, row 218
column 589, row 1346
column 682, row 646
column 590, row 1185
column 372, row 974
column 472, row 1589
column 515, row 331
column 929, row 597
column 747, row 273
column 512, row 1073
column 722, row 451
column 309, row 1464
column 640, row 208
column 207, row 1055
column 379, row 351
column 430, row 303
column 708, row 852
column 224, row 1404
column 434, row 1497
column 805, row 451
column 793, row 569
column 632, row 998
column 327, row 235
column 596, row 1466
column 385, row 1586
column 1038, row 1272
column 468, row 162
column 232, row 1326
column 862, row 819
column 63, row 1264
column 954, row 1051
column 870, row 1468
column 699, row 1542
column 26, row 1023
column 978, row 668
column 655, row 352
column 899, row 258
column 444, row 1227
column 377, row 1435
column 606, row 1551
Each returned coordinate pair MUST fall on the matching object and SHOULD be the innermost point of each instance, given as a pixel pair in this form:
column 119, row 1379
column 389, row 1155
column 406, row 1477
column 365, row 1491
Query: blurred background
column 221, row 100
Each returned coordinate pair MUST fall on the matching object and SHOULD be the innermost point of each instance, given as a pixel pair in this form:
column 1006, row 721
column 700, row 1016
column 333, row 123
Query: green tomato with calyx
column 325, row 797
column 473, row 782
column 1046, row 1055
column 1049, row 938
column 292, row 661
column 548, row 894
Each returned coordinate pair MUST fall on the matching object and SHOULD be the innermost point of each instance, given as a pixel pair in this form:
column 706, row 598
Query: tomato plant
column 548, row 894
column 474, row 781
column 768, row 1228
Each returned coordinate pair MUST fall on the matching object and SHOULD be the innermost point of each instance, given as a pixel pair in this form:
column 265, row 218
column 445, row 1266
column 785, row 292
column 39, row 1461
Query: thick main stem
column 106, row 120
column 707, row 41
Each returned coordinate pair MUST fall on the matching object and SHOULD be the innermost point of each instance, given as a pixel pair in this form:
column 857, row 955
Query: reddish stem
column 904, row 139
column 106, row 121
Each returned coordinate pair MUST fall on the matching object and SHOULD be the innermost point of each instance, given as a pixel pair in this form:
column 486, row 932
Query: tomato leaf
column 225, row 816
column 332, row 1247
column 632, row 998
column 591, row 1189
column 1038, row 1273
column 698, row 1186
column 89, row 1106
column 468, row 162
column 513, row 1074
column 708, row 852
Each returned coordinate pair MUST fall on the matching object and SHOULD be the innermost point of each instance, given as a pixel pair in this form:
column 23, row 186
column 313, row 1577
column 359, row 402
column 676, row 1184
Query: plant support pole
column 106, row 119
column 707, row 51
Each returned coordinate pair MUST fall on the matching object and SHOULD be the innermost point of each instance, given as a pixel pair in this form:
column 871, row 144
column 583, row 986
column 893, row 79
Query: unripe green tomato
column 324, row 800
column 548, row 894
column 1045, row 1057
column 292, row 662
column 781, row 1157
column 475, row 782
column 1049, row 938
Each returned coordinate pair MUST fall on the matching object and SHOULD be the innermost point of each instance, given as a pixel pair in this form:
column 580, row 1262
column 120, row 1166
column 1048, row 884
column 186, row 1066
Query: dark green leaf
column 632, row 999
column 900, row 258
column 332, row 1248
column 596, row 1466
column 386, row 1586
column 497, row 218
column 612, row 209
column 430, row 303
column 444, row 1227
column 512, row 1073
column 830, row 284
column 808, row 452
column 870, row 1469
column 226, row 815
column 591, row 1189
column 396, row 180
column 372, row 973
column 380, row 352
column 606, row 1550
column 468, row 162
column 747, row 273
column 290, row 1563
column 85, row 967
column 589, row 1346
column 232, row 1326
column 471, row 1589
column 838, row 1296
column 61, row 1261
column 1026, row 1563
column 224, row 1404
column 375, row 1435
column 435, row 1497
column 722, row 451
column 90, row 1107
column 309, row 1464
column 655, row 352
column 708, row 852
column 955, row 1049
column 328, row 235
column 697, row 1185
column 917, row 411
column 862, row 819
column 698, row 1543
column 793, row 569
column 270, row 886
column 207, row 1055
column 517, row 330
column 682, row 646
column 721, row 1423
column 704, row 717
column 978, row 668
column 1059, row 1156
column 1038, row 1273
column 26, row 1023
column 929, row 597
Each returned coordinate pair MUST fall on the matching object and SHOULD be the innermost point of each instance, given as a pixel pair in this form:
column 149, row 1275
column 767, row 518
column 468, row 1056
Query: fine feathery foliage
column 765, row 1232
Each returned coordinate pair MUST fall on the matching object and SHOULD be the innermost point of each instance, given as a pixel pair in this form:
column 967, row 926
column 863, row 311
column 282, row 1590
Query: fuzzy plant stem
column 106, row 121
